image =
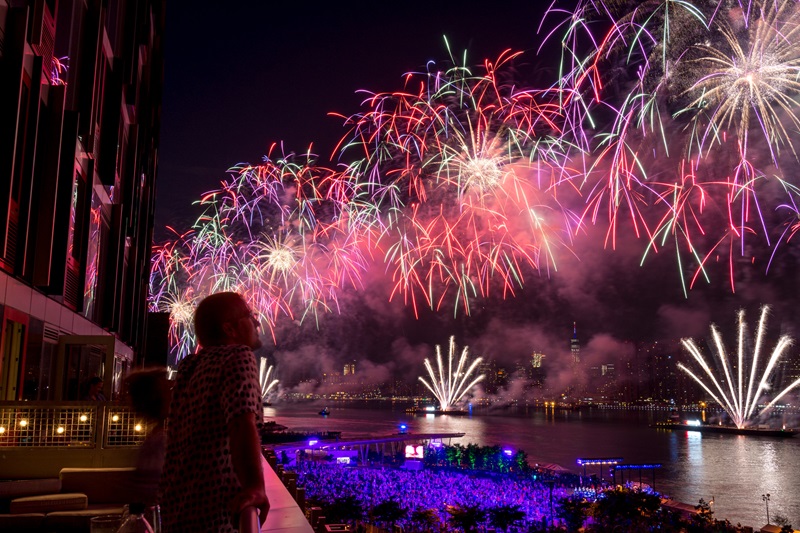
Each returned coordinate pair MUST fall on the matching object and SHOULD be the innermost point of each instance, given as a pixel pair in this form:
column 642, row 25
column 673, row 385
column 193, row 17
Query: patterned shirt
column 213, row 386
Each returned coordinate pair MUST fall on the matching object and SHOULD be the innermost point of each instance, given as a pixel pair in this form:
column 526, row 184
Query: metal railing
column 69, row 424
column 248, row 520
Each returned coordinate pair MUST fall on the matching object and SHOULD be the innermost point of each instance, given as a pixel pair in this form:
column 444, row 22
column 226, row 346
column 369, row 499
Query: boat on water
column 325, row 411
column 717, row 428
column 435, row 411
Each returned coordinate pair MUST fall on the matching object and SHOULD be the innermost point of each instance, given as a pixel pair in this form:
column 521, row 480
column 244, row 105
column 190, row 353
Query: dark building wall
column 80, row 105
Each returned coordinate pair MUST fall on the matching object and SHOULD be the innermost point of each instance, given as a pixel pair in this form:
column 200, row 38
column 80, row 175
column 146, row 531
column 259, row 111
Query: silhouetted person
column 95, row 391
column 213, row 463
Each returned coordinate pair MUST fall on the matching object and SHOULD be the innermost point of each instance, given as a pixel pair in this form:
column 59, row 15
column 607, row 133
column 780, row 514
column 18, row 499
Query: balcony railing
column 69, row 425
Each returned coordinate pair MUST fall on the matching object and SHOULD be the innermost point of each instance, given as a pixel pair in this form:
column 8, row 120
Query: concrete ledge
column 284, row 515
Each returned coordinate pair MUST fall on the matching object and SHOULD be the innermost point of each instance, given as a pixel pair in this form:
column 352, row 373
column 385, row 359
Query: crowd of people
column 428, row 489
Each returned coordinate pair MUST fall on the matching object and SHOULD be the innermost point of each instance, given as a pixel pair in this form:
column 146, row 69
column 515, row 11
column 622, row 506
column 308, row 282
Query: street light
column 765, row 498
column 549, row 483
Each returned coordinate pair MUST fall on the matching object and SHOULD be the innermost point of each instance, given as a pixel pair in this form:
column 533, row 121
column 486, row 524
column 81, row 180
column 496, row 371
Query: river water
column 732, row 470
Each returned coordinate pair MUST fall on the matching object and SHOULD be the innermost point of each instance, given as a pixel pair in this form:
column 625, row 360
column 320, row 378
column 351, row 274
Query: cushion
column 21, row 522
column 47, row 503
column 29, row 487
column 101, row 485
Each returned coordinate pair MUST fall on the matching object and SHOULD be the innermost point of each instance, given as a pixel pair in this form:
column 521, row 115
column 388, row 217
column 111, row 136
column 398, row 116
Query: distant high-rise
column 575, row 345
column 350, row 368
column 537, row 373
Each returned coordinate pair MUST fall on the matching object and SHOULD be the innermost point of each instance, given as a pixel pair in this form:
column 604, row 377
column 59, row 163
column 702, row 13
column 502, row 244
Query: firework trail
column 746, row 377
column 459, row 179
column 265, row 378
column 451, row 384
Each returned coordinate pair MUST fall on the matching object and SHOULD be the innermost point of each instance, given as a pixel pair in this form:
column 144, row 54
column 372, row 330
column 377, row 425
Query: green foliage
column 474, row 457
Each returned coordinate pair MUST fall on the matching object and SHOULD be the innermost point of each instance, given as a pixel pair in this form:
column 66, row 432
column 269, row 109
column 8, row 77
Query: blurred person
column 149, row 392
column 213, row 463
column 94, row 392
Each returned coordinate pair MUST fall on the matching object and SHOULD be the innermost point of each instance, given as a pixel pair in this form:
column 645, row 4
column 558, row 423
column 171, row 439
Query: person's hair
column 94, row 380
column 147, row 395
column 213, row 313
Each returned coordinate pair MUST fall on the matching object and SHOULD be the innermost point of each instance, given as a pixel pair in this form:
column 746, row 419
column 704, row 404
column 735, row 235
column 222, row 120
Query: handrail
column 248, row 520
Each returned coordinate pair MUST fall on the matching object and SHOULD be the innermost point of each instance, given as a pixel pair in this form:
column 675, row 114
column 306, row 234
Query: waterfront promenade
column 732, row 470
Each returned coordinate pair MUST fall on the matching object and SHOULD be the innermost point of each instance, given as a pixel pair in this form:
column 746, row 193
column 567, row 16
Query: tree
column 704, row 515
column 521, row 462
column 572, row 510
column 345, row 509
column 624, row 510
column 504, row 516
column 466, row 517
column 424, row 519
column 389, row 512
column 471, row 452
column 453, row 454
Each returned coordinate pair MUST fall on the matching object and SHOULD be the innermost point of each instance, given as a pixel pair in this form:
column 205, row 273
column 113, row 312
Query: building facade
column 80, row 106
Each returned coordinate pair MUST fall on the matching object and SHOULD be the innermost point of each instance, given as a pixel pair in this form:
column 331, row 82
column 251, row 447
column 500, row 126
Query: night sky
column 242, row 77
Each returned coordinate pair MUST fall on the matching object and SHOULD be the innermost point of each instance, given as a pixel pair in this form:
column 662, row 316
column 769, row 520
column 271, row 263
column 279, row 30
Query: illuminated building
column 537, row 372
column 80, row 104
column 575, row 345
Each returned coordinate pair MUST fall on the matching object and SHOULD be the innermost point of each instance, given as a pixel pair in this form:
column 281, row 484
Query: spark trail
column 738, row 388
column 451, row 384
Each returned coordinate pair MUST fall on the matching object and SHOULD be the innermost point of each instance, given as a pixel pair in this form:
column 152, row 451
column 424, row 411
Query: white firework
column 265, row 379
column 451, row 385
column 740, row 399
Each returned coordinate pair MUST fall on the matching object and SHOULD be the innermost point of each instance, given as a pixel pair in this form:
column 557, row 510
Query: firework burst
column 738, row 388
column 461, row 173
column 702, row 96
column 451, row 384
column 752, row 76
column 273, row 233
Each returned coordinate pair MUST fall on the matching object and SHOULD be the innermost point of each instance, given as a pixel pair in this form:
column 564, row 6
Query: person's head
column 95, row 384
column 150, row 392
column 225, row 318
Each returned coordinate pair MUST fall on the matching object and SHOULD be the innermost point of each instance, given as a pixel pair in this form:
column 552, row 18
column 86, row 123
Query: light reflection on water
column 733, row 470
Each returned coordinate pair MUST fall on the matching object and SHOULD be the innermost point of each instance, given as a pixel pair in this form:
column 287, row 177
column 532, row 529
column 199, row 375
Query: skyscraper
column 575, row 345
column 80, row 107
